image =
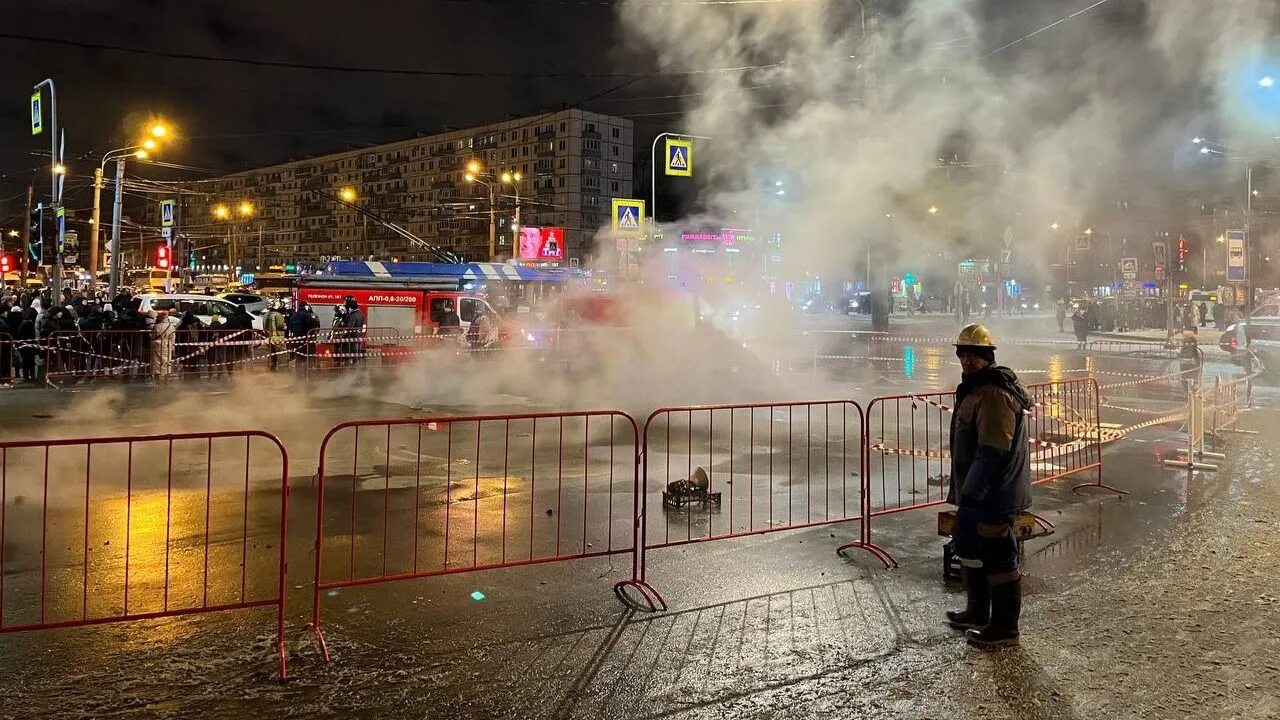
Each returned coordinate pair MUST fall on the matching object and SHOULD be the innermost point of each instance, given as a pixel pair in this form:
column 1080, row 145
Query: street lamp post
column 140, row 151
column 514, row 179
column 244, row 209
column 474, row 175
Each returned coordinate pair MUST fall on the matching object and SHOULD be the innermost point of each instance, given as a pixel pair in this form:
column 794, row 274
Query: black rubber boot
column 977, row 604
column 1006, row 606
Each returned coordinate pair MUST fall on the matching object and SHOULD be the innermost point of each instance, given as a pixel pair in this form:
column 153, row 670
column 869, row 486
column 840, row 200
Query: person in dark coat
column 1080, row 324
column 10, row 357
column 302, row 326
column 353, row 329
column 990, row 485
column 25, row 335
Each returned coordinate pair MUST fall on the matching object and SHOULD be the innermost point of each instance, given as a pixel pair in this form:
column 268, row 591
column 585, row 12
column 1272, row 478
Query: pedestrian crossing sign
column 680, row 157
column 628, row 217
column 166, row 213
column 37, row 115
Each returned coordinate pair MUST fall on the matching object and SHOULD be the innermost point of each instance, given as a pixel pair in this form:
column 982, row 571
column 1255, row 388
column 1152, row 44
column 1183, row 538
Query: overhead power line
column 368, row 69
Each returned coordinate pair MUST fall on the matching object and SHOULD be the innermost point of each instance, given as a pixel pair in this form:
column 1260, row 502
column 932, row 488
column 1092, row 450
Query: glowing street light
column 473, row 167
column 1266, row 81
column 246, row 208
column 221, row 212
column 347, row 194
column 1054, row 226
column 933, row 209
column 159, row 130
column 142, row 154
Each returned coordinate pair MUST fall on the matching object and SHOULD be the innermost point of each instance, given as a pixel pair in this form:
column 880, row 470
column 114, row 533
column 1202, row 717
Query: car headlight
column 529, row 337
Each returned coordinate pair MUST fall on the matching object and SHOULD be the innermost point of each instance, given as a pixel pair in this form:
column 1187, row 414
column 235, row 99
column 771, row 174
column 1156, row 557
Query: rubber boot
column 1006, row 606
column 977, row 606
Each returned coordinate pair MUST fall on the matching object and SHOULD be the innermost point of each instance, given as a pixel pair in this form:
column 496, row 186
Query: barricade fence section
column 147, row 354
column 724, row 471
column 908, row 458
column 114, row 529
column 469, row 493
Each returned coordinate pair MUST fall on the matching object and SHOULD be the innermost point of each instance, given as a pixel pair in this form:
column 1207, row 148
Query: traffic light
column 1182, row 254
column 162, row 257
column 6, row 265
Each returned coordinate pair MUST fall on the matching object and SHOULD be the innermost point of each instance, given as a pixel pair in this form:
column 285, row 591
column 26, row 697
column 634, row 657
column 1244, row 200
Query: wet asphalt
column 774, row 625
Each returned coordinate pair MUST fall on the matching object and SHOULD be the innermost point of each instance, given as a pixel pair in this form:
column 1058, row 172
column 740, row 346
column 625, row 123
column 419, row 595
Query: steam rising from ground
column 1054, row 128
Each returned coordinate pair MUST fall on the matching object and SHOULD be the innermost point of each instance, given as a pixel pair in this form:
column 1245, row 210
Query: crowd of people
column 87, row 334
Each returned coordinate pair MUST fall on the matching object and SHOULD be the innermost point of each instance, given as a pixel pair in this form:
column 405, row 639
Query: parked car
column 253, row 303
column 203, row 306
column 1261, row 333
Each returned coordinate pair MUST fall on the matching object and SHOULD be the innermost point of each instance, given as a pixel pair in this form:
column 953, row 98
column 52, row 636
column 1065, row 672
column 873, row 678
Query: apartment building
column 572, row 163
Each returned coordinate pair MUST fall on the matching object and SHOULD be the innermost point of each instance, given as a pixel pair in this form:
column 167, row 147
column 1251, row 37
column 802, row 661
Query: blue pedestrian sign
column 679, row 157
column 37, row 114
column 166, row 213
column 61, row 214
column 628, row 217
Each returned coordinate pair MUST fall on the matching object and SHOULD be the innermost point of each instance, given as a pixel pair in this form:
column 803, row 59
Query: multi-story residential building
column 571, row 163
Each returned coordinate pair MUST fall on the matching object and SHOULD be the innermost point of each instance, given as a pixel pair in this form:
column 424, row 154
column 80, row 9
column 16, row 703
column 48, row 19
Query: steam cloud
column 1094, row 111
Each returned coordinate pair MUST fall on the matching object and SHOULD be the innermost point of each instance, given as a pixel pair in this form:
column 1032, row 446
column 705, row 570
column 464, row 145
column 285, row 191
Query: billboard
column 541, row 243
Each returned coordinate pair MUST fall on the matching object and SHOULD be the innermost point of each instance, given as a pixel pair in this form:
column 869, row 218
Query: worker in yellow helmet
column 990, row 484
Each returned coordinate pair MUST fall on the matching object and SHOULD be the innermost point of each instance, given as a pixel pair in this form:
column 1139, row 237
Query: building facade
column 572, row 163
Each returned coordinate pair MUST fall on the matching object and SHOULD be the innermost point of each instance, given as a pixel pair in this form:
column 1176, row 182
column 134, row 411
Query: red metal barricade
column 114, row 529
column 447, row 495
column 726, row 471
column 908, row 459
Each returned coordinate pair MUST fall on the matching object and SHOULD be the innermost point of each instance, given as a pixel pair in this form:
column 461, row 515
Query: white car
column 255, row 304
column 204, row 306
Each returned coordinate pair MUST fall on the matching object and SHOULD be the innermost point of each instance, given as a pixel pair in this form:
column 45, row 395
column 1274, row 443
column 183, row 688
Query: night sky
column 233, row 116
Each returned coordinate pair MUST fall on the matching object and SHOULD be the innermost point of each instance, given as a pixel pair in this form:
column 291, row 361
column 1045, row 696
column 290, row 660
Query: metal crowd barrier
column 715, row 473
column 908, row 460
column 470, row 493
column 99, row 530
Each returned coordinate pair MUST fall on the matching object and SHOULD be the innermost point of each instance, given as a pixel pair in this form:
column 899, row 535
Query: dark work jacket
column 990, row 458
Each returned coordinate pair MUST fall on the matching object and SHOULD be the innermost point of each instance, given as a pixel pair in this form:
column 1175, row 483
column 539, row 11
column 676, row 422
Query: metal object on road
column 131, row 529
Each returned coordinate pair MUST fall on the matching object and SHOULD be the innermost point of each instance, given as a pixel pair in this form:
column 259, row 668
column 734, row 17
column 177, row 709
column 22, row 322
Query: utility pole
column 113, row 284
column 493, row 224
column 55, row 184
column 26, row 238
column 94, row 222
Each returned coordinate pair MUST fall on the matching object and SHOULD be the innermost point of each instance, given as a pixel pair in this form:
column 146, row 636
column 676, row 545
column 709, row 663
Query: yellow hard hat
column 976, row 335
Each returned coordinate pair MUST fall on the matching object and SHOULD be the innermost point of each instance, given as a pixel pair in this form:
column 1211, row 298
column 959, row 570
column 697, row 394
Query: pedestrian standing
column 990, row 485
column 164, row 337
column 273, row 324
column 1080, row 324
column 353, row 324
column 1204, row 313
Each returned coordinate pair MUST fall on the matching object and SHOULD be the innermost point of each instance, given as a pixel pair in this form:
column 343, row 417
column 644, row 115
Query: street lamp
column 140, row 150
column 475, row 175
column 933, row 209
column 514, row 179
column 244, row 209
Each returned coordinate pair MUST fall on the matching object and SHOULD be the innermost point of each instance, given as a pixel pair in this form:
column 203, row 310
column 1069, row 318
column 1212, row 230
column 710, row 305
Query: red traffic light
column 6, row 265
column 162, row 257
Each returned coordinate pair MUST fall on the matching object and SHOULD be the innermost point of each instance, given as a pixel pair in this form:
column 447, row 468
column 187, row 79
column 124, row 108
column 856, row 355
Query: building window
column 613, row 186
column 591, row 127
column 562, row 163
column 615, row 150
column 615, row 133
column 562, row 126
column 562, row 182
